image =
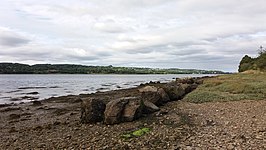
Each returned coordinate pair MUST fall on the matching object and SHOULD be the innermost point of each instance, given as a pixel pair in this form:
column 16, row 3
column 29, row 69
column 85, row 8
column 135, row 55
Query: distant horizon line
column 113, row 66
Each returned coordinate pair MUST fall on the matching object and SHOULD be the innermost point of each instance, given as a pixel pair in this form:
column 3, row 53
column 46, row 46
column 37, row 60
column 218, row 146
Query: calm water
column 24, row 88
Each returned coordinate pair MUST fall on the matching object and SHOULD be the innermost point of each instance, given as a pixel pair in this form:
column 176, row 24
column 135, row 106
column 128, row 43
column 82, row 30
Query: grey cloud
column 146, row 50
column 109, row 27
column 141, row 3
column 50, row 56
column 159, row 33
column 204, row 58
column 87, row 57
column 185, row 52
column 82, row 58
column 183, row 48
column 13, row 40
column 24, row 13
column 28, row 53
column 81, row 55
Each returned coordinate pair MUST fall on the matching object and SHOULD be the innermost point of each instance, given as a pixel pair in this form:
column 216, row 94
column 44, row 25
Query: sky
column 198, row 34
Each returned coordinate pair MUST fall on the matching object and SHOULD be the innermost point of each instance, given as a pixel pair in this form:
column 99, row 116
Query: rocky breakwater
column 143, row 100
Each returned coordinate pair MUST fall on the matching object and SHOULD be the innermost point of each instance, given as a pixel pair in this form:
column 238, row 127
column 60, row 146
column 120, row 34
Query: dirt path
column 179, row 125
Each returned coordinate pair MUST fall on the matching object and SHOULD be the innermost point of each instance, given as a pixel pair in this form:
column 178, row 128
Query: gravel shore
column 55, row 124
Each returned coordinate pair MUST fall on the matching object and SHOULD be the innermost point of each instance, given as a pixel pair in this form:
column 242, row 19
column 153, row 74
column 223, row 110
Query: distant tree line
column 16, row 68
column 259, row 63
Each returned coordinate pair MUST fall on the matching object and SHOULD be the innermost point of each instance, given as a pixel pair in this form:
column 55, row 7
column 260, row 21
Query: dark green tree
column 245, row 64
column 259, row 63
column 261, row 50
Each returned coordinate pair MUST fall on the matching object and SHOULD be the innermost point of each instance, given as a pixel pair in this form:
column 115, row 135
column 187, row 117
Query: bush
column 248, row 63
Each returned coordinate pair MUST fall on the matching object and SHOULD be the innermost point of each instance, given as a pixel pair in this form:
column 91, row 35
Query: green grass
column 136, row 133
column 230, row 88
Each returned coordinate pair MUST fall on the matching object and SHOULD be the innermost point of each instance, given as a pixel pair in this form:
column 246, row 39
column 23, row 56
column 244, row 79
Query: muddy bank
column 55, row 124
column 52, row 118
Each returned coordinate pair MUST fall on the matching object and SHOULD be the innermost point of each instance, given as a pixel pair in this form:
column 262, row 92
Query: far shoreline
column 17, row 68
column 113, row 74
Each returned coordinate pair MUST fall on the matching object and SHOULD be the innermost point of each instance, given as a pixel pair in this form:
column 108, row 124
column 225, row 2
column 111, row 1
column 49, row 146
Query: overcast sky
column 200, row 34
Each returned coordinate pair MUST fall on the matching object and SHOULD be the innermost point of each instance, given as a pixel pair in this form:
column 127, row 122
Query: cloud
column 12, row 39
column 110, row 28
column 204, row 34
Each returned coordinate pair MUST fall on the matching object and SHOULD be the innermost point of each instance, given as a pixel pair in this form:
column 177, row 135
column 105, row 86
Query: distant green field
column 242, row 86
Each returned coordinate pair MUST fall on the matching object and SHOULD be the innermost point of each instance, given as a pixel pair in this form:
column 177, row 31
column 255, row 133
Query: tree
column 246, row 63
column 246, row 59
column 261, row 50
column 259, row 63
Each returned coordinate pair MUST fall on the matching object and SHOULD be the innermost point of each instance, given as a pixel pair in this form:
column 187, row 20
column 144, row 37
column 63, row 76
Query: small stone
column 14, row 116
column 57, row 123
column 36, row 103
column 230, row 147
column 259, row 137
column 41, row 145
column 13, row 129
column 210, row 122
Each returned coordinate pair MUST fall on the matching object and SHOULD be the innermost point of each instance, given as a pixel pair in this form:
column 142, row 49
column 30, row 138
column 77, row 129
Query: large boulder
column 148, row 89
column 92, row 110
column 133, row 109
column 194, row 80
column 189, row 87
column 164, row 96
column 153, row 94
column 114, row 110
column 150, row 93
column 174, row 90
column 149, row 107
column 186, row 80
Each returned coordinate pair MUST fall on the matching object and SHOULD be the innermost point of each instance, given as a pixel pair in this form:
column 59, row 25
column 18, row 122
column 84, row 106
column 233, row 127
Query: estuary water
column 25, row 88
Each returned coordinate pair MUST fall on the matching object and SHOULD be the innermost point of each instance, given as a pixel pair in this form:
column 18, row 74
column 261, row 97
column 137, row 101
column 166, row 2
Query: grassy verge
column 245, row 86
